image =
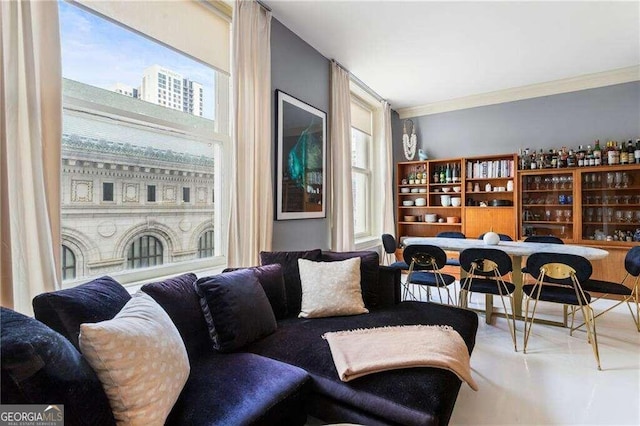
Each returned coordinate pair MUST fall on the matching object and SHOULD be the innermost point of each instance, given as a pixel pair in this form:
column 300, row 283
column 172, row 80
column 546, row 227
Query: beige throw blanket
column 357, row 353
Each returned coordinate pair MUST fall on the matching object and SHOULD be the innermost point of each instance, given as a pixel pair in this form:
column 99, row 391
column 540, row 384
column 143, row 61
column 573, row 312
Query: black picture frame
column 301, row 177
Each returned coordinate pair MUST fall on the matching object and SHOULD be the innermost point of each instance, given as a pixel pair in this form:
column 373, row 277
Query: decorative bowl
column 445, row 200
column 410, row 218
column 407, row 203
column 421, row 202
column 453, row 219
column 414, row 190
column 431, row 218
column 423, row 190
column 456, row 201
column 456, row 189
column 446, row 189
column 404, row 190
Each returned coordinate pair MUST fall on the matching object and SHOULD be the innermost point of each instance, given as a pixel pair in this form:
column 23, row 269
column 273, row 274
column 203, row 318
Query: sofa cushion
column 64, row 310
column 236, row 309
column 289, row 262
column 369, row 273
column 238, row 389
column 40, row 366
column 181, row 302
column 140, row 359
column 331, row 289
column 272, row 281
column 408, row 396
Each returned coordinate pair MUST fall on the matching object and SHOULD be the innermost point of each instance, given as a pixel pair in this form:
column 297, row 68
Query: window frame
column 63, row 265
column 219, row 140
column 146, row 237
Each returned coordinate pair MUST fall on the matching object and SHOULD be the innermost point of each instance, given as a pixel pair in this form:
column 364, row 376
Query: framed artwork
column 301, row 159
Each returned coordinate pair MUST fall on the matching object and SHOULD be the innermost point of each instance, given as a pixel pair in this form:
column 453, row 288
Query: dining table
column 516, row 250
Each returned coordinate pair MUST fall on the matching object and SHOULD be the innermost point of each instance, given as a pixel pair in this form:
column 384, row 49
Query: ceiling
column 418, row 53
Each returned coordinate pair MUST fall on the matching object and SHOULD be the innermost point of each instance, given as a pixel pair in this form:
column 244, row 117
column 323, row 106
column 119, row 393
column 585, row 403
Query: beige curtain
column 251, row 207
column 31, row 122
column 386, row 160
column 341, row 192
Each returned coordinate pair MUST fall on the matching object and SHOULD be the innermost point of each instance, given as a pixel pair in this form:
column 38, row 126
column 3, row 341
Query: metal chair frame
column 425, row 262
column 561, row 271
column 489, row 266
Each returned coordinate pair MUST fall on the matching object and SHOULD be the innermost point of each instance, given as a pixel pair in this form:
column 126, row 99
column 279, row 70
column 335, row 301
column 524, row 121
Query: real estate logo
column 32, row 415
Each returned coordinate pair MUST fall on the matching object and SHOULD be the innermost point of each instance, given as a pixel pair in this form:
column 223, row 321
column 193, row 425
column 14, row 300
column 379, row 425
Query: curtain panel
column 31, row 127
column 386, row 160
column 251, row 204
column 341, row 188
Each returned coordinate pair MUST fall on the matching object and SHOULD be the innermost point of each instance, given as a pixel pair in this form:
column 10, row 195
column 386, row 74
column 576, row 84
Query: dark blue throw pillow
column 39, row 366
column 235, row 308
column 95, row 301
column 181, row 302
column 272, row 281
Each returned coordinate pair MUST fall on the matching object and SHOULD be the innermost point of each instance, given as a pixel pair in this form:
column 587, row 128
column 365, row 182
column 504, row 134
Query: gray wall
column 300, row 71
column 568, row 119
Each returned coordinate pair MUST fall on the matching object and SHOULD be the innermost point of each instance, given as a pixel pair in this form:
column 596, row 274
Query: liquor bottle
column 597, row 153
column 442, row 175
column 636, row 153
column 572, row 160
column 624, row 154
column 540, row 160
column 454, row 174
column 630, row 150
column 590, row 159
column 553, row 159
column 581, row 154
column 418, row 175
column 613, row 156
column 447, row 174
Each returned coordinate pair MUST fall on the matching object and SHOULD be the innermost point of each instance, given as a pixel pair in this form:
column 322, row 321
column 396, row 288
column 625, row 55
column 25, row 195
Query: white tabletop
column 515, row 248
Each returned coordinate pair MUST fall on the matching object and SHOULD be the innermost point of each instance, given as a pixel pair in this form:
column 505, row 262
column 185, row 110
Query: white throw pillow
column 331, row 288
column 140, row 360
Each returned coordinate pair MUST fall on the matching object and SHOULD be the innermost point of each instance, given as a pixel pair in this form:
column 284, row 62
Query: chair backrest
column 450, row 234
column 425, row 257
column 389, row 243
column 485, row 260
column 632, row 261
column 579, row 264
column 548, row 239
column 503, row 237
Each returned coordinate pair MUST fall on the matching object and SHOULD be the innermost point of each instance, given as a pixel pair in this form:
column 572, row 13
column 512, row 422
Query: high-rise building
column 161, row 86
column 124, row 89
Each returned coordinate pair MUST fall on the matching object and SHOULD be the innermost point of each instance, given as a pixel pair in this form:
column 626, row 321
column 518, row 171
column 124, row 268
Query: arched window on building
column 144, row 251
column 68, row 263
column 205, row 244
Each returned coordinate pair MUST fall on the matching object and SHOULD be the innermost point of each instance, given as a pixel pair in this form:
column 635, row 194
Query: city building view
column 140, row 151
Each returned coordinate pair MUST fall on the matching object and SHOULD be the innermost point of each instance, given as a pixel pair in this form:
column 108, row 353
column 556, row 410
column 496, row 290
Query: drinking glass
column 611, row 177
column 628, row 216
column 626, row 180
column 638, row 216
column 590, row 213
column 618, row 179
column 547, row 215
column 547, row 182
column 567, row 215
column 563, row 182
column 537, row 181
column 558, row 215
column 609, row 213
column 555, row 180
column 627, row 199
column 618, row 215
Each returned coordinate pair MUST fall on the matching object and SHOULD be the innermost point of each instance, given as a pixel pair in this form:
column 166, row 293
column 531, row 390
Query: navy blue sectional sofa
column 275, row 380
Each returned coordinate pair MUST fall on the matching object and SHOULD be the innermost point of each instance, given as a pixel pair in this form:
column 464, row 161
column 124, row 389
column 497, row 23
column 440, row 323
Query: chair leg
column 587, row 312
column 527, row 331
column 511, row 320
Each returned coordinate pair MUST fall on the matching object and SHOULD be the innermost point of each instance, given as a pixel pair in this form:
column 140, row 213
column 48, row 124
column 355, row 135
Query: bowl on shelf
column 457, row 189
column 436, row 189
column 445, row 200
column 446, row 189
column 411, row 218
column 456, row 201
column 407, row 203
column 421, row 202
column 404, row 190
column 423, row 190
column 414, row 190
column 453, row 219
column 501, row 203
column 431, row 218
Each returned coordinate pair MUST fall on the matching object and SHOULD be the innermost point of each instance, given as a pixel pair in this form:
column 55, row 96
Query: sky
column 100, row 53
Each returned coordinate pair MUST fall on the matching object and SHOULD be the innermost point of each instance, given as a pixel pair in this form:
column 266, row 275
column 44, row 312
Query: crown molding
column 566, row 85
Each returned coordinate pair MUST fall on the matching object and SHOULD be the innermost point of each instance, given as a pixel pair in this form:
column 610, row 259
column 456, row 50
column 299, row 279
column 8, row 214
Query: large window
column 144, row 252
column 205, row 245
column 145, row 119
column 361, row 166
column 68, row 264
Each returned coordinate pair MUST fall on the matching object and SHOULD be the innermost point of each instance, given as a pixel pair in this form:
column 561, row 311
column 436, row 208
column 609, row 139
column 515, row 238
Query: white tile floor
column 557, row 381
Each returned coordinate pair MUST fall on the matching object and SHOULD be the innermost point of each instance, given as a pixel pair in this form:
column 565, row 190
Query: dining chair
column 426, row 262
column 628, row 288
column 548, row 239
column 389, row 244
column 451, row 261
column 559, row 280
column 486, row 269
column 503, row 237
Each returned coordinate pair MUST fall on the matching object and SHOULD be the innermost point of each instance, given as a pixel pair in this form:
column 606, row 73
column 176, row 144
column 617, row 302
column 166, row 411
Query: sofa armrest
column 388, row 286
